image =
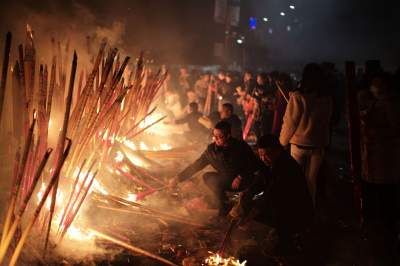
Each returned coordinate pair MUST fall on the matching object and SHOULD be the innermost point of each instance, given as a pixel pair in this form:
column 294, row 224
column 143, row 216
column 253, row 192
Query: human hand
column 236, row 182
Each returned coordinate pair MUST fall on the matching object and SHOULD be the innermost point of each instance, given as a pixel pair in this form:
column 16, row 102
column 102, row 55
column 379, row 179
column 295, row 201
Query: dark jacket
column 286, row 203
column 236, row 159
column 192, row 120
column 236, row 126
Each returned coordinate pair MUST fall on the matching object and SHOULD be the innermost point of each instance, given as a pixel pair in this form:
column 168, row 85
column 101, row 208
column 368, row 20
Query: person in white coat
column 306, row 124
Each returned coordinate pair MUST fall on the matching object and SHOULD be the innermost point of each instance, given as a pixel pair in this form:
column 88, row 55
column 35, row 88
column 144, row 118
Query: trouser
column 219, row 184
column 381, row 213
column 310, row 159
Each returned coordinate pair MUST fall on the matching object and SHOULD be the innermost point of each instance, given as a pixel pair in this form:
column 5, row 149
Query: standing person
column 201, row 87
column 185, row 84
column 234, row 163
column 248, row 82
column 380, row 149
column 264, row 94
column 228, row 115
column 281, row 96
column 306, row 124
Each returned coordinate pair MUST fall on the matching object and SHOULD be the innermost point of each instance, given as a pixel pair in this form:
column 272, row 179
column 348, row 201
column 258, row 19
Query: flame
column 216, row 260
column 131, row 197
column 119, row 157
column 143, row 146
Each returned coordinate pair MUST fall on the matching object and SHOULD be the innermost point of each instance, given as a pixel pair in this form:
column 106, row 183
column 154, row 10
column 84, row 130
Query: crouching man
column 279, row 197
column 234, row 163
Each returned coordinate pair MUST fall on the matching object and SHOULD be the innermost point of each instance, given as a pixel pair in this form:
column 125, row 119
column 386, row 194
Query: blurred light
column 292, row 7
column 270, row 31
column 288, row 28
column 265, row 19
column 253, row 23
column 282, row 14
column 239, row 41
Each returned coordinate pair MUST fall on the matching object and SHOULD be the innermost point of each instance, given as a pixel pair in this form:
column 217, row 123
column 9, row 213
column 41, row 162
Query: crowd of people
column 291, row 125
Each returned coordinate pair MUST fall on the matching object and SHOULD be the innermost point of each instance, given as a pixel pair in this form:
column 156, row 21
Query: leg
column 217, row 184
column 312, row 171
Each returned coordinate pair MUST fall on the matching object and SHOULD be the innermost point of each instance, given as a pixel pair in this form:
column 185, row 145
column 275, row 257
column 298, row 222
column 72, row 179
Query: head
column 228, row 78
column 191, row 96
column 221, row 75
column 227, row 110
column 313, row 78
column 262, row 78
column 206, row 77
column 222, row 133
column 247, row 76
column 183, row 71
column 382, row 85
column 269, row 149
column 193, row 107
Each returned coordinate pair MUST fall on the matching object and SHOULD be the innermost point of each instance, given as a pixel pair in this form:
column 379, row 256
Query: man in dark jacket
column 227, row 115
column 283, row 200
column 233, row 160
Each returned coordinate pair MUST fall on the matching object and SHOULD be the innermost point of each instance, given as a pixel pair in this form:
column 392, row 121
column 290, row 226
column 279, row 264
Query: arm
column 193, row 168
column 291, row 119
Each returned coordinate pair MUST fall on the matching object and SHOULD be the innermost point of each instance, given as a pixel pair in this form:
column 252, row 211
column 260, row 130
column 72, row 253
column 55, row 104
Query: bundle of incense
column 17, row 220
column 17, row 184
column 71, row 217
column 61, row 142
column 30, row 224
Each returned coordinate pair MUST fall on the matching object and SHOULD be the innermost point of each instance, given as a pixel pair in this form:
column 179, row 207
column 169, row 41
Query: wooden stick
column 281, row 91
column 222, row 247
column 132, row 248
column 4, row 71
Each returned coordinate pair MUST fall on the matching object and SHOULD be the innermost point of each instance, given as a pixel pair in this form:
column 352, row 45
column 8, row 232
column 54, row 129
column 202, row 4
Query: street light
column 283, row 14
column 265, row 19
column 292, row 7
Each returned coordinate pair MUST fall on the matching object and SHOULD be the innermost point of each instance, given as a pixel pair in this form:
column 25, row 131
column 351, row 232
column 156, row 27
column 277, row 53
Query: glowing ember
column 216, row 260
column 131, row 197
column 119, row 157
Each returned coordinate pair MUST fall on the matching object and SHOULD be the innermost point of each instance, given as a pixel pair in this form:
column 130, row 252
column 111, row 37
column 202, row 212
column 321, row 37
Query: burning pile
column 105, row 132
column 108, row 107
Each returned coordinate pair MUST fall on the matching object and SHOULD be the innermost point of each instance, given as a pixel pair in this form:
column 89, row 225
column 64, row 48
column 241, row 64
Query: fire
column 216, row 260
column 131, row 197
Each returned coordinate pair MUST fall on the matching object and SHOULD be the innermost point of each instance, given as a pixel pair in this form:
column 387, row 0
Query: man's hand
column 236, row 182
column 173, row 182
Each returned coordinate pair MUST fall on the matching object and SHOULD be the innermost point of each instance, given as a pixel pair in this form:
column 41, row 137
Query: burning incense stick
column 132, row 248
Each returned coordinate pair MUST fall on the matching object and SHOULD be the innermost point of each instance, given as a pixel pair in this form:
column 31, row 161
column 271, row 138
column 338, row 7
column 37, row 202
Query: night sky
column 179, row 31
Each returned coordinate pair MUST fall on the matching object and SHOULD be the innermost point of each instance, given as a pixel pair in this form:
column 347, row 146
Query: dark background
column 182, row 32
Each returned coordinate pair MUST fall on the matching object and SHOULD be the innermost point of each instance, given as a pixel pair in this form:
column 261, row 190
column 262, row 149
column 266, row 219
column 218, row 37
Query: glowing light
column 217, row 260
column 239, row 41
column 165, row 146
column 131, row 197
column 292, row 7
column 119, row 157
column 288, row 28
column 282, row 14
column 143, row 146
column 265, row 19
